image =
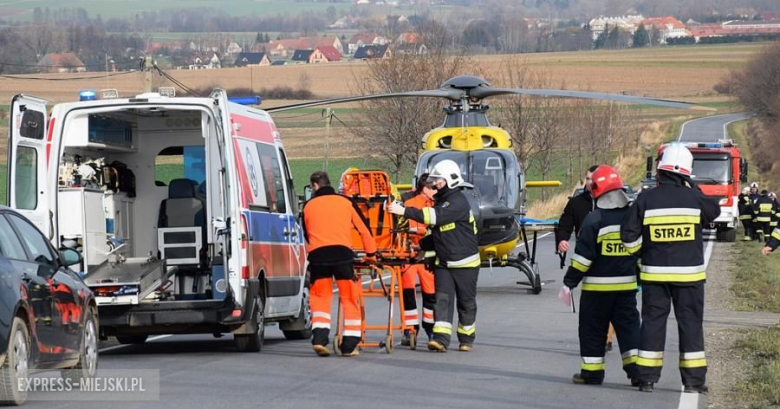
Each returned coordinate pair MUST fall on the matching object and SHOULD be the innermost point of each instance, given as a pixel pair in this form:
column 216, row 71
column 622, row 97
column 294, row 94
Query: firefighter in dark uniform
column 776, row 212
column 454, row 239
column 773, row 242
column 664, row 228
column 753, row 197
column 609, row 281
column 763, row 213
column 745, row 213
column 573, row 214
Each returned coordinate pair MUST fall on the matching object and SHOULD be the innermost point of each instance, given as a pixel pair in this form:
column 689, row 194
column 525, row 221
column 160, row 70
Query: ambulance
column 183, row 208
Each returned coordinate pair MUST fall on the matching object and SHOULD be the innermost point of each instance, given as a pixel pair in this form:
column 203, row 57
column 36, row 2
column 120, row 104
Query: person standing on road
column 664, row 228
column 745, row 213
column 413, row 272
column 454, row 237
column 328, row 221
column 608, row 274
column 574, row 213
column 763, row 213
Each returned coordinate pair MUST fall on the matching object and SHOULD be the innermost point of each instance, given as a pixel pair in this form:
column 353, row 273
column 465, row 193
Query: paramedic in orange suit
column 328, row 220
column 423, row 198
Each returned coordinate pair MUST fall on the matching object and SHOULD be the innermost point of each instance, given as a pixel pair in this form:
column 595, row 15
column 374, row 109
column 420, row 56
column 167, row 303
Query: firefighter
column 763, row 213
column 422, row 199
column 772, row 243
column 571, row 222
column 328, row 220
column 608, row 273
column 454, row 238
column 746, row 213
column 776, row 211
column 753, row 196
column 664, row 228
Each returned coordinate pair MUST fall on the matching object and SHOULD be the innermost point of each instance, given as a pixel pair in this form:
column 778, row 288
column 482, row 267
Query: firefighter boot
column 645, row 386
column 696, row 389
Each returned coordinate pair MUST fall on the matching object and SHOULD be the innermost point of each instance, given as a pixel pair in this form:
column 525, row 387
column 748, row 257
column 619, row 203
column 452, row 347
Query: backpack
column 125, row 178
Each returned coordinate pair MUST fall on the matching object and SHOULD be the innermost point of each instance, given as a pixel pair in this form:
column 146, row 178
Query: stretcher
column 371, row 190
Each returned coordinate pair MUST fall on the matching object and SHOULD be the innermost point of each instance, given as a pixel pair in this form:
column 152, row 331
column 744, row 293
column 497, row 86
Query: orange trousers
column 321, row 300
column 409, row 278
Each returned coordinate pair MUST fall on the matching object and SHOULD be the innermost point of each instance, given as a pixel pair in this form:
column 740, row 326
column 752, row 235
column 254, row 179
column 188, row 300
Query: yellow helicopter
column 488, row 162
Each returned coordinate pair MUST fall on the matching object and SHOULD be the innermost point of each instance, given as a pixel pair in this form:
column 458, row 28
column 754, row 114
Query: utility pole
column 328, row 114
column 148, row 73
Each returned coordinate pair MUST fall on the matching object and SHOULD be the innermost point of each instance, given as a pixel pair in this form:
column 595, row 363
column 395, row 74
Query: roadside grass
column 762, row 349
column 756, row 287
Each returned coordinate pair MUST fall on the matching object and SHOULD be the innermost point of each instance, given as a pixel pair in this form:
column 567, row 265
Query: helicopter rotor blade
column 451, row 94
column 481, row 93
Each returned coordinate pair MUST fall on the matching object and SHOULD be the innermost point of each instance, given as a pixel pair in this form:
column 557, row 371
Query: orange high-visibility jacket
column 328, row 220
column 418, row 202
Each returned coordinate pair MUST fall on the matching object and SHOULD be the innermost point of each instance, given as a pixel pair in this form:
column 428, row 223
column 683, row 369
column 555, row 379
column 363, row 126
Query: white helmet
column 772, row 195
column 745, row 190
column 676, row 158
column 449, row 171
column 754, row 185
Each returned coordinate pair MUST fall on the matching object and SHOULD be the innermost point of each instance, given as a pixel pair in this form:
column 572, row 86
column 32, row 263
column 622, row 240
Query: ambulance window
column 26, row 180
column 290, row 187
column 31, row 124
column 180, row 162
column 272, row 175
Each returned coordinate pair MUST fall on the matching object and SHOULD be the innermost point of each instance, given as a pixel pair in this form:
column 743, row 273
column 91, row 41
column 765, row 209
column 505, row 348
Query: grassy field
column 668, row 72
column 756, row 287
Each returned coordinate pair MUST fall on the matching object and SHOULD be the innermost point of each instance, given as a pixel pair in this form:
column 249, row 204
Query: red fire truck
column 719, row 169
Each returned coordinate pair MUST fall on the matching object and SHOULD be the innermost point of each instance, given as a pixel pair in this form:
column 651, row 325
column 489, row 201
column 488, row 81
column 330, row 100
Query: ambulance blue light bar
column 87, row 95
column 246, row 100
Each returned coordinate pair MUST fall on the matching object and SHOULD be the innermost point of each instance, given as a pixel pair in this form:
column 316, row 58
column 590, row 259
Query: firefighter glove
column 396, row 208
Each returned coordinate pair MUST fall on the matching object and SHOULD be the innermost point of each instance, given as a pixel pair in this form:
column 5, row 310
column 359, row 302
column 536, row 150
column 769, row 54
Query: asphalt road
column 708, row 128
column 525, row 353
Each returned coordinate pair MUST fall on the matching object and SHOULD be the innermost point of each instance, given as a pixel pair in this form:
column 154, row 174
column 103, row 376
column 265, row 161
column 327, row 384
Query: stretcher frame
column 389, row 266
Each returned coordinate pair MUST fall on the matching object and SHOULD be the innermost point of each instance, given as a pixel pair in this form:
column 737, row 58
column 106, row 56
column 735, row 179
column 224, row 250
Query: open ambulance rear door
column 30, row 188
column 230, row 198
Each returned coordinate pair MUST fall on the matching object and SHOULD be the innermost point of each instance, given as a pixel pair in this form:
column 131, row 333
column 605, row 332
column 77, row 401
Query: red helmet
column 605, row 179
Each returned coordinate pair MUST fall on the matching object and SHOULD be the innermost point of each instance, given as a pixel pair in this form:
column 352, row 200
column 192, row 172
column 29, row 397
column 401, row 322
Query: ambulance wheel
column 253, row 342
column 131, row 339
column 303, row 321
column 727, row 235
column 15, row 369
column 389, row 344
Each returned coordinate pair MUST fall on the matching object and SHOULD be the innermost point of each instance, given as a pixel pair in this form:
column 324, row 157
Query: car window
column 10, row 246
column 37, row 247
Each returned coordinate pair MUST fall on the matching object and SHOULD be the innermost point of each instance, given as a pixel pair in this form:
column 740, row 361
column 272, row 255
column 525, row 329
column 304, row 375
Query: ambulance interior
column 134, row 198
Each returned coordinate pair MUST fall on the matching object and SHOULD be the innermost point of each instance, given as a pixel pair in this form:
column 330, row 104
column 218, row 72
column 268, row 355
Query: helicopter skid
column 530, row 269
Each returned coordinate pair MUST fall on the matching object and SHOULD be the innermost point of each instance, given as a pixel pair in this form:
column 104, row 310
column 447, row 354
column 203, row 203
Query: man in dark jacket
column 664, row 228
column 573, row 214
column 746, row 213
column 454, row 236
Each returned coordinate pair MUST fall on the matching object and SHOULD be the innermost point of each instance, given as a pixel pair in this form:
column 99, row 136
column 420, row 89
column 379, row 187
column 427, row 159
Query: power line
column 13, row 77
column 177, row 82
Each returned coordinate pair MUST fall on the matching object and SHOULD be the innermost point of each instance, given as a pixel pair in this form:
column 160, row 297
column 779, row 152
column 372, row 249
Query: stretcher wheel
column 389, row 344
column 413, row 342
column 336, row 345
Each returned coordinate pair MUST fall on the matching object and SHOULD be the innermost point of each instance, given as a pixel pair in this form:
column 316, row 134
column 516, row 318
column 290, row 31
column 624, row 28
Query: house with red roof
column 667, row 27
column 61, row 62
column 330, row 53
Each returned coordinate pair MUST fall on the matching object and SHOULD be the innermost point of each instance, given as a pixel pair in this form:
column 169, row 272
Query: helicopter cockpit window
column 455, row 119
column 492, row 172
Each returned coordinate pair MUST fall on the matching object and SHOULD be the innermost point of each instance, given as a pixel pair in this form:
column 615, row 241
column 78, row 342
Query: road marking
column 725, row 136
column 691, row 400
column 123, row 346
column 522, row 243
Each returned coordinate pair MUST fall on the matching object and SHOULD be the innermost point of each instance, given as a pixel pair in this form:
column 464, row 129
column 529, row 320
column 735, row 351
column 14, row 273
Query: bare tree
column 393, row 127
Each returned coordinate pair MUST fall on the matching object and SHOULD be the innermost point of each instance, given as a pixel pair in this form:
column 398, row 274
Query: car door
column 36, row 288
column 28, row 157
column 62, row 336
